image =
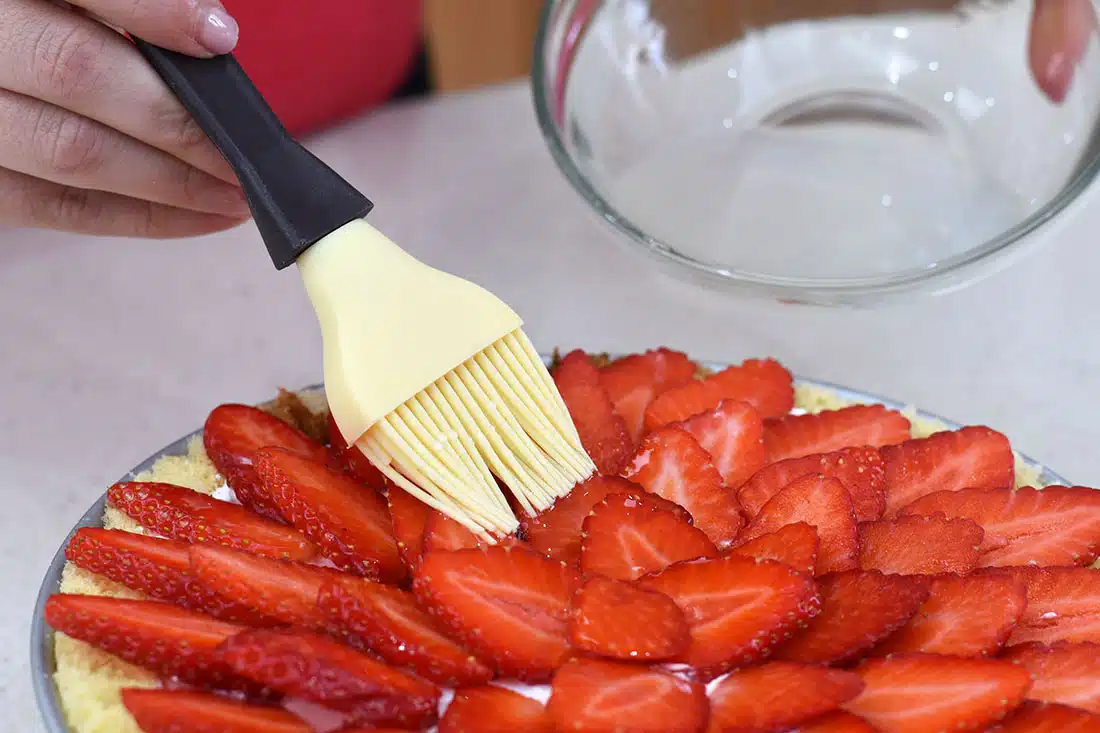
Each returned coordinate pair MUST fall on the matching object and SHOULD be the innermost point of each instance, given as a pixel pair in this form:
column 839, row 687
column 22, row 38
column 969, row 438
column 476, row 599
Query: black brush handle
column 295, row 199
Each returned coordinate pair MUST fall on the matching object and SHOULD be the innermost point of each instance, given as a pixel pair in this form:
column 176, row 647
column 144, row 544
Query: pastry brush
column 430, row 375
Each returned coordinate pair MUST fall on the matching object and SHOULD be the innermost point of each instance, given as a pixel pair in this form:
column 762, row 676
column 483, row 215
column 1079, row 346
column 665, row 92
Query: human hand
column 91, row 140
column 1060, row 33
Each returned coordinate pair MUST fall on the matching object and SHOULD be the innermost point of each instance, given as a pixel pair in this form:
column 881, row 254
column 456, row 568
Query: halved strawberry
column 764, row 384
column 824, row 504
column 965, row 616
column 408, row 515
column 794, row 545
column 779, row 695
column 616, row 619
column 737, row 608
column 1037, row 717
column 508, row 604
column 350, row 523
column 918, row 693
column 1063, row 604
column 625, row 537
column 182, row 514
column 861, row 470
column 232, row 435
column 594, row 695
column 971, row 458
column 733, row 434
column 1055, row 526
column 795, row 436
column 920, row 545
column 397, row 630
column 603, row 433
column 672, row 464
column 1063, row 673
column 183, row 711
column 158, row 568
column 490, row 709
column 350, row 460
column 633, row 382
column 858, row 608
column 165, row 639
column 443, row 533
column 837, row 722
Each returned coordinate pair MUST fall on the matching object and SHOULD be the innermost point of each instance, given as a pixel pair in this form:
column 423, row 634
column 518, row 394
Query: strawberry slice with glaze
column 491, row 708
column 183, row 711
column 779, row 695
column 970, row 458
column 179, row 513
column 1063, row 604
column 1061, row 673
column 765, row 384
column 858, row 608
column 233, row 433
column 508, row 604
column 795, row 436
column 733, row 435
column 824, row 504
column 837, row 722
column 794, row 545
column 1035, row 717
column 737, row 608
column 920, row 545
column 602, row 431
column 634, row 381
column 672, row 464
column 593, row 695
column 619, row 620
column 964, row 616
column 917, row 693
column 626, row 537
column 1058, row 525
column 408, row 516
column 443, row 533
column 350, row 523
column 350, row 460
column 861, row 470
column 395, row 628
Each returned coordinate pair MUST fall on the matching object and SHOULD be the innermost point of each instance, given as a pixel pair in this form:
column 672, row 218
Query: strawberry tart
column 753, row 555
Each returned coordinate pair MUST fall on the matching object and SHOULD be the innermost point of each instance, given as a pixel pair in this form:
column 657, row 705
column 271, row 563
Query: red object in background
column 320, row 61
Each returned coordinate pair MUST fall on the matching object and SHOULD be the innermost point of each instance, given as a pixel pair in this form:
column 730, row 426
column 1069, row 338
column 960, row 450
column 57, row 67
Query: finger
column 26, row 201
column 76, row 63
column 1060, row 32
column 48, row 142
column 195, row 27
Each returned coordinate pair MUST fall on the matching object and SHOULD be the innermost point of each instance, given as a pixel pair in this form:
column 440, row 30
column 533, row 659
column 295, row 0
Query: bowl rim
column 943, row 276
column 43, row 660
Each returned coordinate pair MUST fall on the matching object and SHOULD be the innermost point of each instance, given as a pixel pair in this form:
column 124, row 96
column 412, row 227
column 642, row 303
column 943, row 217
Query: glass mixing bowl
column 822, row 151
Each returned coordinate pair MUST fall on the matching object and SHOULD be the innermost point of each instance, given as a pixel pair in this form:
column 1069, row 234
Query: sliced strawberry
column 508, row 604
column 182, row 711
column 1036, row 717
column 590, row 694
column 794, row 545
column 398, row 631
column 861, row 470
column 969, row 616
column 350, row 460
column 779, row 695
column 1063, row 604
column 737, row 608
column 603, row 433
column 672, row 464
column 918, row 693
column 764, row 384
column 170, row 641
column 158, row 568
column 970, row 458
column 232, row 435
column 1063, row 673
column 408, row 515
column 350, row 524
column 920, row 545
column 625, row 537
column 633, row 382
column 795, row 436
column 858, row 608
column 837, row 722
column 616, row 619
column 556, row 532
column 443, row 533
column 182, row 514
column 1055, row 526
column 733, row 435
column 822, row 503
column 491, row 709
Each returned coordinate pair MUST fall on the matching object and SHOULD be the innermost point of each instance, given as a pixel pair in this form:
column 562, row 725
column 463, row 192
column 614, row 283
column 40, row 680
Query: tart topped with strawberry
column 750, row 557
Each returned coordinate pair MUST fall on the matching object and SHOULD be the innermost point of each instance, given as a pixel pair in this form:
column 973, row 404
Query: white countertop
column 113, row 348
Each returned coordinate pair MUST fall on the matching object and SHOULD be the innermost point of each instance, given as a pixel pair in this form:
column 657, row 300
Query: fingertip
column 218, row 31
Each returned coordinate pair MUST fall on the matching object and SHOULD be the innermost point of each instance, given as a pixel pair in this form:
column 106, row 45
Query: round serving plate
column 43, row 661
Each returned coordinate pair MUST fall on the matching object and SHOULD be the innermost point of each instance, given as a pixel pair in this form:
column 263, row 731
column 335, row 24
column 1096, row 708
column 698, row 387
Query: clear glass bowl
column 822, row 151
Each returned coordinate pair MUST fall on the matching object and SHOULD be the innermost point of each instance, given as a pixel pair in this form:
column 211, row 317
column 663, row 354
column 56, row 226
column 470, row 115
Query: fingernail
column 223, row 198
column 218, row 32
